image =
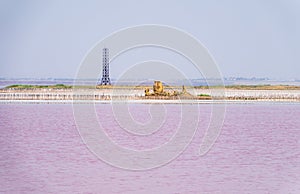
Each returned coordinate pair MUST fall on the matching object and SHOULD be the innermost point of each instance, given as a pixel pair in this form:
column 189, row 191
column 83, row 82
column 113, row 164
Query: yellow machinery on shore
column 158, row 90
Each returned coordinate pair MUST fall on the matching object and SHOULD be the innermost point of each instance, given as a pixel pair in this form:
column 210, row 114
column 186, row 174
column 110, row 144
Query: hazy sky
column 41, row 39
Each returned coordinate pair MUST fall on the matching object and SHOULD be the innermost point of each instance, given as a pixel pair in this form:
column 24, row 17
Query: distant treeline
column 234, row 87
column 254, row 87
column 20, row 86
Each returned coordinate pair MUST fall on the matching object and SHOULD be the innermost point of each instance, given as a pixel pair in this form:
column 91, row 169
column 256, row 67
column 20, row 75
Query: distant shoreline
column 136, row 94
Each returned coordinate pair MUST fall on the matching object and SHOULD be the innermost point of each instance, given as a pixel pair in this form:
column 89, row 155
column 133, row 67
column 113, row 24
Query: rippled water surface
column 258, row 151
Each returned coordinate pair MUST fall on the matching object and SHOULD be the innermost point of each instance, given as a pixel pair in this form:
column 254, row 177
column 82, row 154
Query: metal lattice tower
column 105, row 71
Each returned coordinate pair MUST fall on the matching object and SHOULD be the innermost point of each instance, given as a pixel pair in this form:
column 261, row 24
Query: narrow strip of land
column 64, row 92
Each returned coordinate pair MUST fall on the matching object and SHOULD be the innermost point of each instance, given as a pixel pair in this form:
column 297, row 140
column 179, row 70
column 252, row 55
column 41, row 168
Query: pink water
column 258, row 151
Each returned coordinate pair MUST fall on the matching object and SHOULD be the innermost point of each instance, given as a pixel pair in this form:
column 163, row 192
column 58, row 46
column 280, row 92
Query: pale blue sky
column 41, row 39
